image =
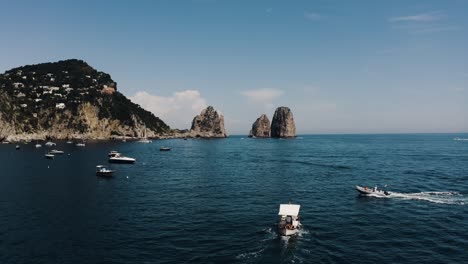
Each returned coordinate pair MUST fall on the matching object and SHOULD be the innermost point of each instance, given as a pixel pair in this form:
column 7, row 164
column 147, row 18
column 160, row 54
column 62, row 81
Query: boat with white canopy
column 103, row 171
column 118, row 158
column 289, row 219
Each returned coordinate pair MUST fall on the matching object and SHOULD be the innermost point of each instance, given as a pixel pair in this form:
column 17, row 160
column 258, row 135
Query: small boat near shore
column 38, row 145
column 49, row 156
column 17, row 147
column 289, row 223
column 103, row 171
column 371, row 191
column 164, row 149
column 50, row 144
column 80, row 144
column 119, row 158
column 56, row 152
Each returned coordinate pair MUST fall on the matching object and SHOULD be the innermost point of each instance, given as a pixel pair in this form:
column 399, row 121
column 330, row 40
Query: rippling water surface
column 215, row 201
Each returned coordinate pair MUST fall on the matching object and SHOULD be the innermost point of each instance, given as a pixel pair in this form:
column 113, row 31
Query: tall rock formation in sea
column 208, row 124
column 69, row 99
column 261, row 127
column 282, row 125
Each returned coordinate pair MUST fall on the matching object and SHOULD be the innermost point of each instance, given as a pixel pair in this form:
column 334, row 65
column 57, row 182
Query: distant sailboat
column 145, row 139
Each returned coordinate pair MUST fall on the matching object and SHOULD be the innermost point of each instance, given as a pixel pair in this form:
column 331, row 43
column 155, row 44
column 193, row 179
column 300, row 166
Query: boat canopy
column 289, row 209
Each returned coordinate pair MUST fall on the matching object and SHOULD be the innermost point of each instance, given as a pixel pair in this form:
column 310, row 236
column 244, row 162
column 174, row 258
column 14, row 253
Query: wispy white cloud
column 312, row 16
column 264, row 96
column 424, row 28
column 424, row 17
column 177, row 110
column 423, row 23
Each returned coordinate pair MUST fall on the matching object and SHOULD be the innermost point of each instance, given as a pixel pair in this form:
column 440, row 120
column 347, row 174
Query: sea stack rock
column 208, row 124
column 282, row 125
column 261, row 127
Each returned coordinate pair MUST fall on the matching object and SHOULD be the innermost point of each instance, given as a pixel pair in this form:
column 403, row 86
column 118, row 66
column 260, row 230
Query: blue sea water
column 216, row 201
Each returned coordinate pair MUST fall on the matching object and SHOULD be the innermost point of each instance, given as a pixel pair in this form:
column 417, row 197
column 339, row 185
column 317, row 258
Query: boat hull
column 121, row 161
column 104, row 174
column 287, row 232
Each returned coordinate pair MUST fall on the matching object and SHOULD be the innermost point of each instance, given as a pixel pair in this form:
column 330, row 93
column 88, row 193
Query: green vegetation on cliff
column 45, row 96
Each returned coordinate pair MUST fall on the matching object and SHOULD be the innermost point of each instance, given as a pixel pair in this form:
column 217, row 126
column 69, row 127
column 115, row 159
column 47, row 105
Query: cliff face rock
column 69, row 99
column 208, row 124
column 282, row 124
column 261, row 127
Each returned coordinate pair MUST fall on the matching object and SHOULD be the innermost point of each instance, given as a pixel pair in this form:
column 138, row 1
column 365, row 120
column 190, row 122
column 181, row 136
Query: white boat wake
column 433, row 197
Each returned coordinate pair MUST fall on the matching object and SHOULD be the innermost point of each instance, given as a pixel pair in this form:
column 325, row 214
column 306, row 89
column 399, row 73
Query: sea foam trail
column 433, row 197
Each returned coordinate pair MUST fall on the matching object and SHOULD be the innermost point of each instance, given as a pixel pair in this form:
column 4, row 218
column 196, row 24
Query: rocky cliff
column 208, row 124
column 282, row 124
column 69, row 99
column 261, row 127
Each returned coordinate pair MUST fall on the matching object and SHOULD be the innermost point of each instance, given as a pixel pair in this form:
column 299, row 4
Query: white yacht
column 118, row 158
column 49, row 156
column 50, row 144
column 82, row 144
column 56, row 152
column 38, row 145
column 289, row 219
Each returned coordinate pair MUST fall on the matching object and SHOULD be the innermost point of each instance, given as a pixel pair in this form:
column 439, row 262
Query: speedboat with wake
column 289, row 219
column 374, row 191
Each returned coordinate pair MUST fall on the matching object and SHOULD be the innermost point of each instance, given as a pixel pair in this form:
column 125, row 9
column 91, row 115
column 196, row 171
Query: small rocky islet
column 282, row 125
column 69, row 99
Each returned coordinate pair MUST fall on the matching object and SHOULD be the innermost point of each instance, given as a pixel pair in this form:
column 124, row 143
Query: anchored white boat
column 56, row 152
column 289, row 219
column 103, row 171
column 145, row 139
column 38, row 145
column 118, row 158
column 17, row 147
column 374, row 191
column 164, row 149
column 49, row 156
column 50, row 144
column 69, row 142
column 82, row 144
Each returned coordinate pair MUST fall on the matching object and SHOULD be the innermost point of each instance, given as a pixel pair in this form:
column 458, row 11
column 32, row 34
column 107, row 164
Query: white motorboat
column 18, row 147
column 289, row 219
column 38, row 145
column 371, row 191
column 118, row 158
column 164, row 149
column 49, row 156
column 80, row 144
column 5, row 142
column 103, row 171
column 69, row 142
column 56, row 152
column 50, row 144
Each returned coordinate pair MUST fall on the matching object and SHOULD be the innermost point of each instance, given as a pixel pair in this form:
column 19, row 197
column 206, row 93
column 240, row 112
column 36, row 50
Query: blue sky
column 341, row 66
